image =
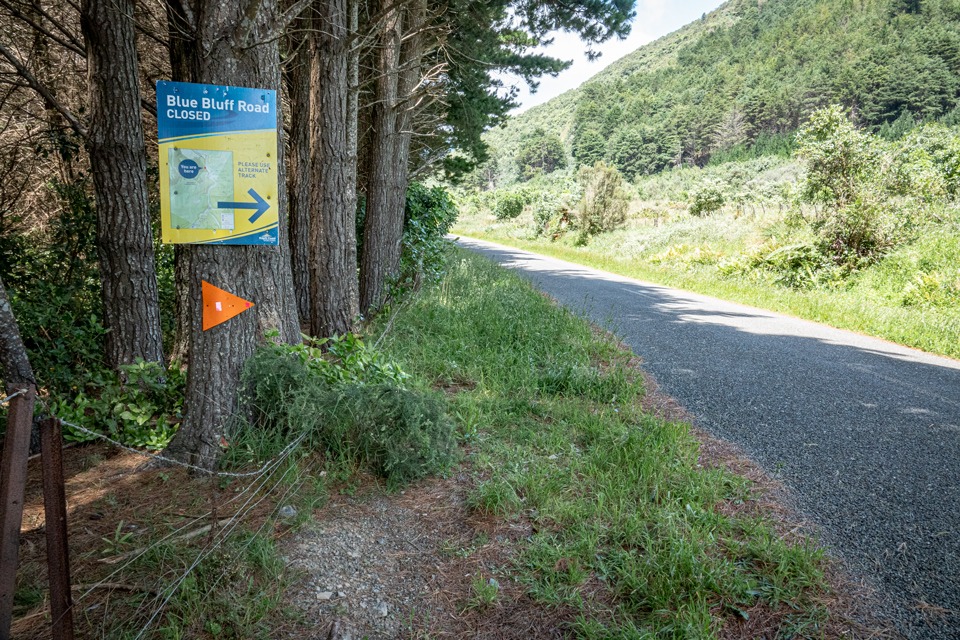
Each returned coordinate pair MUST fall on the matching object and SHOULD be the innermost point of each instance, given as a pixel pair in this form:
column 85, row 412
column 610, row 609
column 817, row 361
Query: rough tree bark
column 181, row 39
column 353, row 96
column 14, row 363
column 411, row 54
column 382, row 230
column 333, row 245
column 232, row 43
column 394, row 105
column 297, row 77
column 118, row 163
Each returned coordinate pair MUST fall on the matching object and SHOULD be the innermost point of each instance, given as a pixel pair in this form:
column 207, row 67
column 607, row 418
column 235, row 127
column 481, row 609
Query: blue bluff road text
column 193, row 109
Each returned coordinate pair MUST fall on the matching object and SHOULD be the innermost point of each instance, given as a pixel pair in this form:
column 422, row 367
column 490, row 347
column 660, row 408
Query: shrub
column 398, row 434
column 552, row 205
column 933, row 290
column 929, row 162
column 605, row 200
column 859, row 232
column 349, row 404
column 707, row 199
column 509, row 205
column 540, row 153
column 838, row 157
column 140, row 406
column 798, row 265
column 347, row 359
column 848, row 171
column 60, row 317
column 428, row 215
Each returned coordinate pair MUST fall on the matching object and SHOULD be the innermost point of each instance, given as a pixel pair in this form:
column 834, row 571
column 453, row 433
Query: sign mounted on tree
column 218, row 164
column 219, row 305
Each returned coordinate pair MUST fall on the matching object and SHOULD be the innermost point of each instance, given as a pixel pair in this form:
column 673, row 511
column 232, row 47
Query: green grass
column 872, row 302
column 627, row 530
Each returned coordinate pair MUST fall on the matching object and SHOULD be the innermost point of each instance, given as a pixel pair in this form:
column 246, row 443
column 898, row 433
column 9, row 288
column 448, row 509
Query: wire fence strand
column 178, row 463
column 12, row 396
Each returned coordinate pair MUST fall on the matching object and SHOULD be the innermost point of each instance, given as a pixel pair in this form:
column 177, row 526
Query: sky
column 655, row 18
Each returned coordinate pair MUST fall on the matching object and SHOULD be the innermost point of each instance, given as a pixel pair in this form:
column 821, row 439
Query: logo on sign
column 189, row 168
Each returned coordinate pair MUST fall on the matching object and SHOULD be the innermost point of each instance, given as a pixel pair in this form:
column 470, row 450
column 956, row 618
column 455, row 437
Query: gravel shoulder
column 864, row 432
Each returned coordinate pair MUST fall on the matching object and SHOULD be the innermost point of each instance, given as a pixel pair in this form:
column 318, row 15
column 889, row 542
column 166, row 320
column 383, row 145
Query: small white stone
column 324, row 595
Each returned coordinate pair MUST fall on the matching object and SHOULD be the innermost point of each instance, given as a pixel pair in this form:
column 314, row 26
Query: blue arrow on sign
column 260, row 205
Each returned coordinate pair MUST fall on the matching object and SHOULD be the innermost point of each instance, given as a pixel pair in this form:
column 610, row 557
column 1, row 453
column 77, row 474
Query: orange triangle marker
column 219, row 305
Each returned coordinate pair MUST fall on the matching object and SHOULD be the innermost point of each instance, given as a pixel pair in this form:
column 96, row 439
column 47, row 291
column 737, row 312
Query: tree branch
column 71, row 43
column 48, row 97
column 284, row 21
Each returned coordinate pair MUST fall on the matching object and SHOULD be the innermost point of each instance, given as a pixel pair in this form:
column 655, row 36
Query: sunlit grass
column 627, row 529
column 871, row 302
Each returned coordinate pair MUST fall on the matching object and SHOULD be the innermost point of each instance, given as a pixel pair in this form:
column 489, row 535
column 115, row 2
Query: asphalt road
column 864, row 432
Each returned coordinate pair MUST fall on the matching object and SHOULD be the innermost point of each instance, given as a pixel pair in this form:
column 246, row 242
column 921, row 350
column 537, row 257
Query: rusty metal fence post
column 55, row 510
column 13, row 482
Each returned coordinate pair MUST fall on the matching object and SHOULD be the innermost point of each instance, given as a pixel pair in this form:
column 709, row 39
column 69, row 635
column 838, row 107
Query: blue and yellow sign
column 218, row 164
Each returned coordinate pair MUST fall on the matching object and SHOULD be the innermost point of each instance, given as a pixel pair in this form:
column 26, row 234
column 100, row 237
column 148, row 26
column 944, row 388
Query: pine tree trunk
column 353, row 95
column 118, row 163
column 297, row 75
column 333, row 245
column 233, row 48
column 179, row 34
column 394, row 104
column 410, row 68
column 14, row 364
column 381, row 229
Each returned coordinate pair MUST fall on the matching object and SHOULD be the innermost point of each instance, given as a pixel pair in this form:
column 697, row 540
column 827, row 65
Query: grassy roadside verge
column 632, row 537
column 627, row 530
column 868, row 314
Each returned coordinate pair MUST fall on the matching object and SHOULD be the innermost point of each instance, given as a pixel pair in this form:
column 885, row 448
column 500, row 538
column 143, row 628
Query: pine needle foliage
column 363, row 416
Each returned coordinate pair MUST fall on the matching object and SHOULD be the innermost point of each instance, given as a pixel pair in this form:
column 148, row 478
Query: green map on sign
column 200, row 179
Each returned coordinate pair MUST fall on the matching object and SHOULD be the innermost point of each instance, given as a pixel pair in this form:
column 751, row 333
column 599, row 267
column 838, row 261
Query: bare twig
column 45, row 93
column 187, row 536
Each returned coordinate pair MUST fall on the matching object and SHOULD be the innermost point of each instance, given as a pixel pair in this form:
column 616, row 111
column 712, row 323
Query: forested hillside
column 740, row 81
column 795, row 154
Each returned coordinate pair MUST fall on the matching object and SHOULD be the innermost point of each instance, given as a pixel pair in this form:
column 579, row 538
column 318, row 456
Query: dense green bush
column 553, row 203
column 839, row 158
column 428, row 215
column 929, row 163
column 60, row 318
column 852, row 175
column 798, row 265
column 605, row 200
column 707, row 199
column 398, row 434
column 348, row 402
column 344, row 359
column 509, row 204
column 140, row 405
